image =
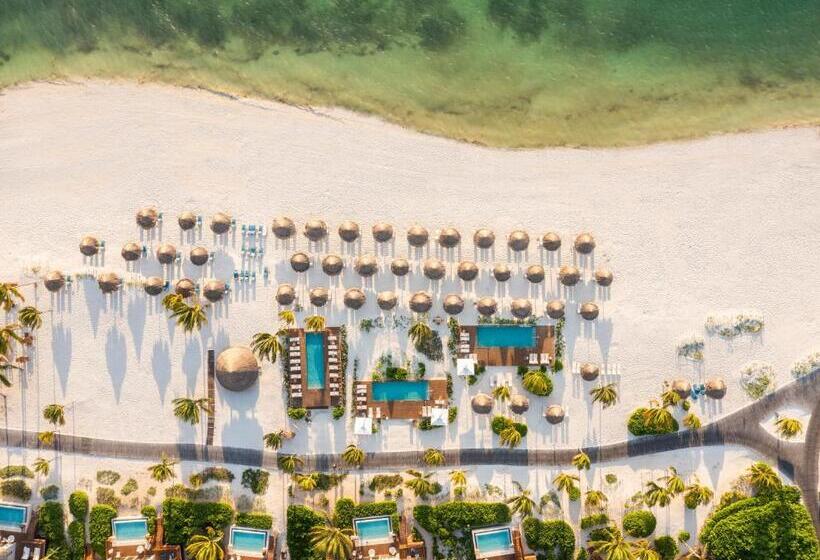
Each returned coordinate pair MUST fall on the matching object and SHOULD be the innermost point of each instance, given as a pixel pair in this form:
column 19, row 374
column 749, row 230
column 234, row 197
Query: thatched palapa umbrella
column 417, row 236
column 285, row 294
column 386, row 300
column 54, row 280
column 519, row 404
column 453, row 304
column 449, row 237
column 521, row 308
column 400, row 267
column 147, row 217
column 220, row 223
column 315, row 230
column 569, row 275
column 166, row 253
column 434, row 269
column 354, row 298
column 482, row 403
column 186, row 221
column 554, row 414
column 109, row 282
column 131, row 251
column 484, row 238
column 486, row 306
column 185, row 287
column 421, row 302
column 154, row 285
column 283, row 227
column 319, row 296
column 590, row 372
column 349, row 231
column 535, row 273
column 367, row 265
column 518, row 240
column 300, row 262
column 382, row 232
column 551, row 241
column 502, row 272
column 199, row 256
column 589, row 311
column 89, row 246
column 682, row 387
column 332, row 265
column 584, row 243
column 237, row 368
column 467, row 270
column 214, row 290
column 603, row 277
column 715, row 388
column 555, row 309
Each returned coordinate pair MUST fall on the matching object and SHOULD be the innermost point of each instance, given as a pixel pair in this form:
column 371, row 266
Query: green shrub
column 50, row 492
column 338, row 411
column 150, row 513
column 440, row 30
column 51, row 525
column 553, row 538
column 683, row 536
column 220, row 474
column 76, row 540
column 461, row 516
column 184, row 518
column 582, row 554
column 637, row 426
column 15, row 488
column 108, row 496
column 602, row 533
column 639, row 524
column 382, row 482
column 594, row 520
column 109, row 478
column 99, row 527
column 574, row 494
column 425, row 425
column 129, row 487
column 12, row 471
column 431, row 347
column 297, row 413
column 730, row 497
column 347, row 511
column 78, row 505
column 500, row 423
column 452, row 414
column 300, row 519
column 611, row 478
column 254, row 520
column 256, row 480
column 666, row 547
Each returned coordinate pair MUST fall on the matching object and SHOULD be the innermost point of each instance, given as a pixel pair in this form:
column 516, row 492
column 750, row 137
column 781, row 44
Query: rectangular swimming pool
column 129, row 529
column 373, row 530
column 401, row 390
column 13, row 517
column 492, row 542
column 505, row 336
column 315, row 352
column 249, row 541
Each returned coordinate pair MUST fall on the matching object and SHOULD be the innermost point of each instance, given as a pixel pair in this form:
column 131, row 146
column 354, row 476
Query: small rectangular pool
column 400, row 390
column 249, row 541
column 315, row 352
column 129, row 529
column 373, row 530
column 13, row 517
column 492, row 542
column 505, row 336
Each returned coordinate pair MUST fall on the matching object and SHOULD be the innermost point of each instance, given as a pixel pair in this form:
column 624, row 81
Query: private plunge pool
column 129, row 529
column 13, row 517
column 315, row 352
column 505, row 336
column 496, row 541
column 248, row 542
column 373, row 530
column 400, row 390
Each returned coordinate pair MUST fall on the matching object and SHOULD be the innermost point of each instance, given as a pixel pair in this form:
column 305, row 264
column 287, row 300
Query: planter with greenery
column 99, row 527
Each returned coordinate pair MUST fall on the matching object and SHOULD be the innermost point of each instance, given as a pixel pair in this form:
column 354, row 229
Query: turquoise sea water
column 370, row 530
column 505, row 336
column 315, row 350
column 493, row 541
column 400, row 391
column 130, row 530
column 248, row 540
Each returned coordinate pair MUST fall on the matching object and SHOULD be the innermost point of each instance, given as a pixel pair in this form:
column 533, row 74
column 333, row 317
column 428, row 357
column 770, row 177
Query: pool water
column 400, row 390
column 373, row 530
column 130, row 530
column 505, row 336
column 493, row 541
column 315, row 351
column 249, row 540
column 12, row 516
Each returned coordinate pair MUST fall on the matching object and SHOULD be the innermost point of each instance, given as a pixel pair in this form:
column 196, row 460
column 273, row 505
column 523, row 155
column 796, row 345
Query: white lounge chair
column 334, row 393
column 26, row 553
column 36, row 555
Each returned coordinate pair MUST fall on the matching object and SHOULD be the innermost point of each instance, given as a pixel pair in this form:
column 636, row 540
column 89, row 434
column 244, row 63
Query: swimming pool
column 12, row 516
column 373, row 530
column 492, row 542
column 253, row 541
column 129, row 529
column 505, row 336
column 400, row 390
column 315, row 351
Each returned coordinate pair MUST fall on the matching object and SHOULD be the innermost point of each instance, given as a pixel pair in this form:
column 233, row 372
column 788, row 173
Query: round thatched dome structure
column 589, row 311
column 421, row 302
column 367, row 265
column 569, row 275
column 89, row 246
column 386, row 300
column 486, row 306
column 482, row 403
column 434, row 269
column 131, row 251
column 551, row 241
column 417, row 236
column 467, row 270
column 283, row 227
column 682, row 387
column 502, row 272
column 449, row 237
column 518, row 240
column 535, row 273
column 185, row 287
column 715, row 388
column 603, row 277
column 584, row 243
column 166, row 253
column 400, row 267
column 199, row 256
column 453, row 304
column 332, row 265
column 154, row 285
column 349, row 231
column 109, row 282
column 484, row 238
column 555, row 309
column 186, row 221
column 590, row 372
column 237, row 368
column 285, row 294
column 315, row 230
column 319, row 296
column 521, row 308
column 554, row 414
column 220, row 223
column 519, row 404
column 382, row 232
column 147, row 217
column 354, row 298
column 214, row 290
column 300, row 262
column 54, row 280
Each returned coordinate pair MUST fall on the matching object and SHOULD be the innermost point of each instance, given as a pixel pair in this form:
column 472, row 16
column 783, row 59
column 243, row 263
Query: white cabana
column 465, row 367
column 439, row 416
column 363, row 426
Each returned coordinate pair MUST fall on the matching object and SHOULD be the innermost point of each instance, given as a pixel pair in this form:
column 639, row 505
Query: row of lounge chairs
column 539, row 359
column 333, row 365
column 295, row 367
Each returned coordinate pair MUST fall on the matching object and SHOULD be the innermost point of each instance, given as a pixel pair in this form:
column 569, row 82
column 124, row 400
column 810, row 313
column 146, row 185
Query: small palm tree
column 595, row 499
column 164, row 470
column 762, row 477
column 189, row 317
column 510, row 437
column 188, row 409
column 46, row 438
column 697, row 494
column 275, row 440
column 42, row 466
column 657, row 495
column 614, row 547
column 433, row 457
column 659, row 417
column 315, row 323
column 788, row 428
column 205, row 547
column 581, row 461
column 353, row 455
column 502, row 393
column 30, row 317
column 330, row 541
column 642, row 550
column 171, row 300
column 306, row 482
column 674, row 483
column 536, row 382
column 267, row 346
column 458, row 478
column 670, row 398
column 691, row 421
column 10, row 291
column 288, row 317
column 522, row 503
column 607, row 395
column 565, row 481
column 420, row 483
column 419, row 332
column 5, row 381
column 289, row 463
column 9, row 335
column 55, row 414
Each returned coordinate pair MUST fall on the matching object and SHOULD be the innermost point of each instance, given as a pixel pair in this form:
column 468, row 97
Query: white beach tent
column 363, row 426
column 465, row 367
column 439, row 416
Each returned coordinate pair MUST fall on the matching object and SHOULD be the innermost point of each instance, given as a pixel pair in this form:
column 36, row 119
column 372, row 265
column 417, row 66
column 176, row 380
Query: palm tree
column 522, row 503
column 788, row 427
column 164, row 470
column 595, row 499
column 268, row 346
column 614, row 547
column 9, row 291
column 55, row 414
column 670, row 398
column 762, row 477
column 642, row 549
column 656, row 494
column 607, row 395
column 275, row 440
column 502, row 393
column 306, row 482
column 691, row 421
column 353, row 455
column 41, row 466
column 565, row 481
column 205, row 547
column 3, row 379
column 420, row 483
column 419, row 331
column 659, row 417
column 288, row 317
column 289, row 463
column 9, row 334
column 30, row 317
column 46, row 438
column 697, row 494
column 315, row 323
column 536, row 382
column 332, row 542
column 171, row 300
column 433, row 458
column 581, row 461
column 189, row 317
column 674, row 483
column 188, row 409
column 458, row 478
column 510, row 437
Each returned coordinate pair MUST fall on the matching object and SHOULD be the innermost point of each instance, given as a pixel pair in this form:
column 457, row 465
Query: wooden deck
column 116, row 551
column 399, row 410
column 543, row 349
column 26, row 539
column 323, row 397
column 403, row 547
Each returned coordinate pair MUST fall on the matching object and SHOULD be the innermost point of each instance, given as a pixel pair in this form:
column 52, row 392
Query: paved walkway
column 739, row 428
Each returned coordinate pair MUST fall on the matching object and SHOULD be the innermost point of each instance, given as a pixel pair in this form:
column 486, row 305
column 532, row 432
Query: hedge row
column 183, row 519
column 552, row 539
column 347, row 511
column 254, row 520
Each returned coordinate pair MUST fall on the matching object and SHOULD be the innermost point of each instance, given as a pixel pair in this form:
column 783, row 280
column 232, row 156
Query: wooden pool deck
column 403, row 547
column 303, row 396
column 542, row 352
column 26, row 538
column 399, row 410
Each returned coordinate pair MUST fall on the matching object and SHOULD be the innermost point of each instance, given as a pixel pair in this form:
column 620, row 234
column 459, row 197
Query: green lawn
column 519, row 73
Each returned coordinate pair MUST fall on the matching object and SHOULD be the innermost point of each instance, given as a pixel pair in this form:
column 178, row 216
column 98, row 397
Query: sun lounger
column 36, row 555
column 26, row 553
column 331, row 337
column 361, row 408
column 378, row 414
column 369, row 412
column 334, row 393
column 533, row 359
column 545, row 358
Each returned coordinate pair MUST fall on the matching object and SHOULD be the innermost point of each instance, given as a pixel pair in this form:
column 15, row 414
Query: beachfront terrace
column 314, row 368
column 483, row 344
